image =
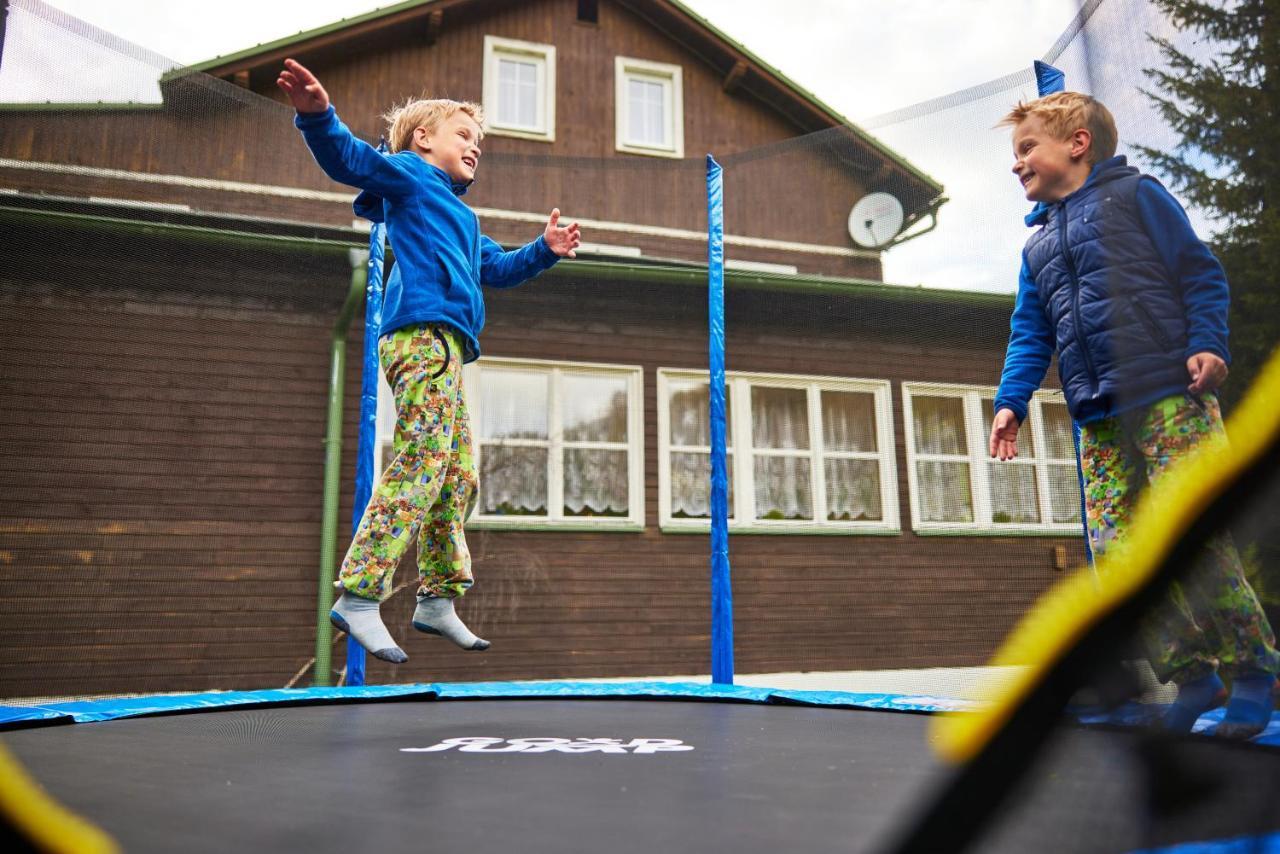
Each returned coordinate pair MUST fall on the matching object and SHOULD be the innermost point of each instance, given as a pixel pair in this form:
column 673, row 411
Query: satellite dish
column 875, row 220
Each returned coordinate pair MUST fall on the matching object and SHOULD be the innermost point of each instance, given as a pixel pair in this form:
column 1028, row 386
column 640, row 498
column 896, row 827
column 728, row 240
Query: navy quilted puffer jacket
column 1118, row 284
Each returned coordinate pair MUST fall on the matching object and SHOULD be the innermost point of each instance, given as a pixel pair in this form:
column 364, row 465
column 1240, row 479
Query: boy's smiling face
column 454, row 146
column 1049, row 168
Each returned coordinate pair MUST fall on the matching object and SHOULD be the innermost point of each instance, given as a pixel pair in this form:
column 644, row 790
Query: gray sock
column 435, row 616
column 360, row 618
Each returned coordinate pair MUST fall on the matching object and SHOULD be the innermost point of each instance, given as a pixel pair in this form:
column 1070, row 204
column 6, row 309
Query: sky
column 865, row 58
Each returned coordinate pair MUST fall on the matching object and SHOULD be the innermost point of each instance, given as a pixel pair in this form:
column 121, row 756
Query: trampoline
column 576, row 767
column 632, row 767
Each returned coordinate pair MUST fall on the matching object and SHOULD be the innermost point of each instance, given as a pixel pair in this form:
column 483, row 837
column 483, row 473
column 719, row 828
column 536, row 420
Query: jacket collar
column 443, row 177
column 369, row 204
column 1104, row 172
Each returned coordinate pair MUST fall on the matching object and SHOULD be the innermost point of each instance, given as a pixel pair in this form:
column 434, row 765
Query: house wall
column 162, row 418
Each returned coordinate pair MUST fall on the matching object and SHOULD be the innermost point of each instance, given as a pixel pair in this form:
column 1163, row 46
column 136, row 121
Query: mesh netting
column 181, row 335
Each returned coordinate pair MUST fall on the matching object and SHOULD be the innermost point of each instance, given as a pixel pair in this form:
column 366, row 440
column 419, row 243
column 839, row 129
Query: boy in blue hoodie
column 1135, row 305
column 433, row 312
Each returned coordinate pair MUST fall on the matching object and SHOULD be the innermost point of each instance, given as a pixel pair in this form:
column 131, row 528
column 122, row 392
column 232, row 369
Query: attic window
column 650, row 107
column 589, row 11
column 520, row 88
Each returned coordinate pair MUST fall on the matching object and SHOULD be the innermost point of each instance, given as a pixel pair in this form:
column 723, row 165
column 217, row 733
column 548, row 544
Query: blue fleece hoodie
column 441, row 256
column 1117, row 283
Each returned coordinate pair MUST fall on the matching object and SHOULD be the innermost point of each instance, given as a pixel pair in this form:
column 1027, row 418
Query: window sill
column 518, row 133
column 801, row 529
column 610, row 526
column 671, row 153
column 1074, row 530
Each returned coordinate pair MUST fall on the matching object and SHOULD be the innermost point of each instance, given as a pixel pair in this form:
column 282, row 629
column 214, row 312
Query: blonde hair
column 1062, row 113
column 427, row 113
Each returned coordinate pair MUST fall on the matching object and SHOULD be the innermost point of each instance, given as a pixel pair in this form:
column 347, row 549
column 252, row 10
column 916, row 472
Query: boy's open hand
column 1207, row 371
column 1004, row 435
column 562, row 240
column 304, row 90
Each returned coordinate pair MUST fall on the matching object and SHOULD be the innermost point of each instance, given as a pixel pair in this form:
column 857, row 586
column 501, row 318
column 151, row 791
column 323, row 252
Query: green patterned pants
column 1212, row 619
column 428, row 490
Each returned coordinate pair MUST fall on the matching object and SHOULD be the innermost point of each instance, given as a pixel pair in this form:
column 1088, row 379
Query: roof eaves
column 297, row 38
column 808, row 96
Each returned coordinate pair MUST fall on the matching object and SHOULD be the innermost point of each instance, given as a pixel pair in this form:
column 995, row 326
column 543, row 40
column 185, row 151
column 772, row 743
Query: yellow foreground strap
column 39, row 818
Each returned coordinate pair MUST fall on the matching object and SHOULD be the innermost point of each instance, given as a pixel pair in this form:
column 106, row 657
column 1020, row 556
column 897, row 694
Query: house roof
column 140, row 220
column 729, row 57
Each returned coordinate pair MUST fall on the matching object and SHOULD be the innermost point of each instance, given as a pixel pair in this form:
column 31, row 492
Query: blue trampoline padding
column 1267, row 843
column 84, row 711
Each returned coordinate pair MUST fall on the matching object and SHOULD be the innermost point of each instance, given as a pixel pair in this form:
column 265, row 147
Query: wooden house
column 172, row 300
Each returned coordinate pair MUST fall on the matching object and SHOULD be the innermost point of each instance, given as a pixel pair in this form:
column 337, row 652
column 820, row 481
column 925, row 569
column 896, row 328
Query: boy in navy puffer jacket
column 1135, row 306
column 432, row 316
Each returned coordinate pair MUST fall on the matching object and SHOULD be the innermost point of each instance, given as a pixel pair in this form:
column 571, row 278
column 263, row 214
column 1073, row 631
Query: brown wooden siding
column 161, row 420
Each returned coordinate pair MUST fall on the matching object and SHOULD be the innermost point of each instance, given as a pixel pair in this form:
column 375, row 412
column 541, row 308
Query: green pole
column 333, row 465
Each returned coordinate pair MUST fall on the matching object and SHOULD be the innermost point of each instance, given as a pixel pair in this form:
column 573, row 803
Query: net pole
column 721, row 589
column 368, row 412
column 333, row 466
column 1049, row 80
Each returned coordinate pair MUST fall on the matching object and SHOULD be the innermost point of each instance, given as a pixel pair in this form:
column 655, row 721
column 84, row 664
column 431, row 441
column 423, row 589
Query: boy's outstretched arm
column 501, row 269
column 1025, row 361
column 341, row 155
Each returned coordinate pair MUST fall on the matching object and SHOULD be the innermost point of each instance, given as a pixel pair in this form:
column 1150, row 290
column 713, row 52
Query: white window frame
column 671, row 77
column 978, row 456
column 743, row 455
column 544, row 57
column 555, row 518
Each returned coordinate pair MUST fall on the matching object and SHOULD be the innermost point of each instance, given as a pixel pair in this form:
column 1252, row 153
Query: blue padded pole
column 1084, row 519
column 1048, row 81
column 721, row 588
column 369, row 373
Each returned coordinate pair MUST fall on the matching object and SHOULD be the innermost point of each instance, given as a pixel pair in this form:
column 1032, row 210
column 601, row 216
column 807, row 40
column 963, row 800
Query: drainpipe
column 333, row 465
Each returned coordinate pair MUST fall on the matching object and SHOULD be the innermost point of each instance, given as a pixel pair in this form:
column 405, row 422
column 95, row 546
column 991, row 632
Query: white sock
column 435, row 616
column 361, row 619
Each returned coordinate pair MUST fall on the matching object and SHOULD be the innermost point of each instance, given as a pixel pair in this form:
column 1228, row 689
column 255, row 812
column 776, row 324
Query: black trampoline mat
column 760, row 778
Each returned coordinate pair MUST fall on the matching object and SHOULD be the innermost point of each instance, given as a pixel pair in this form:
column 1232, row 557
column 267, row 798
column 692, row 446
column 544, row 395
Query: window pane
column 1057, row 431
column 691, row 486
column 779, row 418
column 513, row 481
column 517, row 92
column 1014, row 497
column 848, row 421
column 944, row 492
column 690, row 414
column 1064, row 493
column 783, row 488
column 853, row 490
column 646, row 111
column 1026, row 446
column 513, row 404
column 594, row 408
column 939, row 425
column 595, row 482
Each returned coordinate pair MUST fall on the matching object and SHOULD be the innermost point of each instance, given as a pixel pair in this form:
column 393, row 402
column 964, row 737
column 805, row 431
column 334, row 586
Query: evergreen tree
column 1225, row 106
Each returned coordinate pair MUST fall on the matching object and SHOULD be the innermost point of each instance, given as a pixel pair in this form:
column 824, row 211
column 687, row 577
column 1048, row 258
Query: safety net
column 195, row 406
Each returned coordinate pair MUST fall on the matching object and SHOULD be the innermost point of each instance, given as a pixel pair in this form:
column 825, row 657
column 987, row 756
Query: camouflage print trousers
column 1212, row 619
column 428, row 490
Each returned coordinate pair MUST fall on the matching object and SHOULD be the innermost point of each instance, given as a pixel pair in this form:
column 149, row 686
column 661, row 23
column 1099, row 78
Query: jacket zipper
column 1075, row 300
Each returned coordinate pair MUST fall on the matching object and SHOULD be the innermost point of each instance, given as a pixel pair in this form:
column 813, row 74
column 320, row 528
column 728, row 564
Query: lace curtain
column 945, row 494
